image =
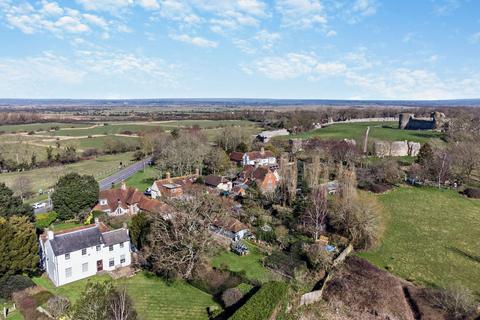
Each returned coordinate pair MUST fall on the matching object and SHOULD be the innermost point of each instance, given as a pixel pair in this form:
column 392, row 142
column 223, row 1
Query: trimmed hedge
column 13, row 284
column 263, row 303
column 473, row 193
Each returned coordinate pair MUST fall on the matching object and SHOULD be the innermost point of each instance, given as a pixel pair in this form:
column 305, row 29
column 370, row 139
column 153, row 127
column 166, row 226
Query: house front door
column 99, row 265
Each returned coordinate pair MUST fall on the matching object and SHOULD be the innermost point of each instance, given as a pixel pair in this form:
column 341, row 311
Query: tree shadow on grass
column 464, row 254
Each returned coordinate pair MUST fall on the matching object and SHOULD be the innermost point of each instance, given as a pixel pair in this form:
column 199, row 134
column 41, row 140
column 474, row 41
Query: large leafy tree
column 18, row 246
column 73, row 194
column 12, row 205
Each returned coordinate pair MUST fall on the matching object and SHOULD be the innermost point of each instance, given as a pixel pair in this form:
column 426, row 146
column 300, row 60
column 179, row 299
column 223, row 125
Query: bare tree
column 120, row 305
column 57, row 306
column 175, row 245
column 23, row 186
column 456, row 300
column 315, row 216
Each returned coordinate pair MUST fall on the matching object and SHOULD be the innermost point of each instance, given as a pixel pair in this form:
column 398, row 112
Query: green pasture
column 432, row 237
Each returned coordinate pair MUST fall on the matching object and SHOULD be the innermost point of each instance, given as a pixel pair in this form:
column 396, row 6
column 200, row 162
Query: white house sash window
column 122, row 258
column 84, row 251
column 68, row 272
column 67, row 256
column 111, row 262
column 85, row 267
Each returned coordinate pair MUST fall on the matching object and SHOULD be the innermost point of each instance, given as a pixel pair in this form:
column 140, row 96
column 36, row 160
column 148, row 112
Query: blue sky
column 326, row 49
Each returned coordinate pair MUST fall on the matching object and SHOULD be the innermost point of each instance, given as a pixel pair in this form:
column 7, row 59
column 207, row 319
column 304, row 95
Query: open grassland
column 378, row 131
column 22, row 151
column 251, row 263
column 94, row 142
column 432, row 237
column 137, row 127
column 143, row 179
column 45, row 178
column 153, row 297
column 41, row 126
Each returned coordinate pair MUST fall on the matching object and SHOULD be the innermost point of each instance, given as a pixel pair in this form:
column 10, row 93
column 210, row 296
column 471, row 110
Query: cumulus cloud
column 262, row 40
column 49, row 17
column 105, row 5
column 301, row 13
column 197, row 41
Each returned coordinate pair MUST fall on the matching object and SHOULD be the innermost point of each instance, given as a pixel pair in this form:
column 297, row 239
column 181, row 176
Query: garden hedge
column 263, row 303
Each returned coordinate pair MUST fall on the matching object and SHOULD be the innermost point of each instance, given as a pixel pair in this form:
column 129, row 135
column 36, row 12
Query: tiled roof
column 254, row 155
column 130, row 196
column 85, row 237
column 213, row 180
column 230, row 224
column 181, row 181
column 236, row 156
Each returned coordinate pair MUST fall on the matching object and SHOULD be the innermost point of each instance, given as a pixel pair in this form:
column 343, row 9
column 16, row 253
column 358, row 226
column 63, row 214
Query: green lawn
column 44, row 178
column 357, row 131
column 251, row 263
column 143, row 179
column 65, row 225
column 432, row 238
column 153, row 298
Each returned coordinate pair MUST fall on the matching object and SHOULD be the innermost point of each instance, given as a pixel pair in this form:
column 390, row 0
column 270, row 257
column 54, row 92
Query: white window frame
column 68, row 272
column 85, row 267
column 84, row 251
column 67, row 256
column 111, row 262
column 122, row 258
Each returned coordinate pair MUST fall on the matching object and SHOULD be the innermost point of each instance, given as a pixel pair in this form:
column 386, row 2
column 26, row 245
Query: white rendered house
column 80, row 253
column 259, row 158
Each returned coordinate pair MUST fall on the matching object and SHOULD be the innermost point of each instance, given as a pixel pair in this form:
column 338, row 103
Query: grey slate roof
column 115, row 236
column 86, row 238
column 76, row 240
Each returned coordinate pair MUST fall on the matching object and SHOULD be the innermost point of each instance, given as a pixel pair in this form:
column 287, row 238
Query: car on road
column 39, row 205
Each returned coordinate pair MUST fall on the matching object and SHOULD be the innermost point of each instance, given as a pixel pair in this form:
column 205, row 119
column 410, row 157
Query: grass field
column 432, row 238
column 377, row 132
column 95, row 142
column 251, row 264
column 41, row 126
column 118, row 127
column 153, row 298
column 142, row 180
column 44, row 178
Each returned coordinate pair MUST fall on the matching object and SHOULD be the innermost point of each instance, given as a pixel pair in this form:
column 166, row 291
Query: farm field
column 251, row 264
column 41, row 126
column 94, row 142
column 377, row 132
column 44, row 178
column 153, row 298
column 432, row 237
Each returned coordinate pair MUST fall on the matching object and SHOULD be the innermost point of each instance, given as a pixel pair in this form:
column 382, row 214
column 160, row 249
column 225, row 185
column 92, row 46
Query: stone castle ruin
column 407, row 121
column 395, row 148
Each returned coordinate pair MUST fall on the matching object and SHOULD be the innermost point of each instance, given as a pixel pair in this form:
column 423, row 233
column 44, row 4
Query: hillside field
column 378, row 131
column 431, row 238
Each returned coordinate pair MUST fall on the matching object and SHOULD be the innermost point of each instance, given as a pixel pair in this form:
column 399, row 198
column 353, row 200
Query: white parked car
column 39, row 205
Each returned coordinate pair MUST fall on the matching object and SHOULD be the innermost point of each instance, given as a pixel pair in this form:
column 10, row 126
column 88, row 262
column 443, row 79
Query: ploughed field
column 432, row 237
column 378, row 131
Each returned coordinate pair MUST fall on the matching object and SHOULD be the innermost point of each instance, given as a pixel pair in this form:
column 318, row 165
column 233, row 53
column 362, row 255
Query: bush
column 90, row 152
column 263, row 303
column 13, row 284
column 43, row 220
column 214, row 281
column 231, row 296
column 57, row 306
column 457, row 301
column 472, row 193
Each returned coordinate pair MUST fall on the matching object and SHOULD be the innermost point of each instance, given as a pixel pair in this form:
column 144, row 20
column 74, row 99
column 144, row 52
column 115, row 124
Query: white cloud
column 49, row 17
column 361, row 9
column 263, row 40
column 41, row 76
column 295, row 65
column 301, row 13
column 149, row 4
column 105, row 5
column 445, row 7
column 198, row 41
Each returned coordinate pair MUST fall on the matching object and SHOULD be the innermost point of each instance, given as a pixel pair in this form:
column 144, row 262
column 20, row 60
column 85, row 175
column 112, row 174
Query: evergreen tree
column 12, row 205
column 139, row 229
column 74, row 193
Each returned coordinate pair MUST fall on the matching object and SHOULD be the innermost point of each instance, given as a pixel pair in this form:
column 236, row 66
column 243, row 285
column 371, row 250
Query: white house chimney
column 50, row 235
column 124, row 185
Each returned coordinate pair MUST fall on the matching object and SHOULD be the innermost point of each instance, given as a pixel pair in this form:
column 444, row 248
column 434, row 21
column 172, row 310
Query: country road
column 123, row 174
column 107, row 182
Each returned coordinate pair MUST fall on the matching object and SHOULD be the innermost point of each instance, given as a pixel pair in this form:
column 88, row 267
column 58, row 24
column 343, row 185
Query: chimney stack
column 50, row 235
column 167, row 175
column 97, row 222
column 124, row 185
column 262, row 151
column 197, row 171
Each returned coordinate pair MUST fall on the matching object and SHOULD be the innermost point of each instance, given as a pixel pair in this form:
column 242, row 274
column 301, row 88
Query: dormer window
column 67, row 256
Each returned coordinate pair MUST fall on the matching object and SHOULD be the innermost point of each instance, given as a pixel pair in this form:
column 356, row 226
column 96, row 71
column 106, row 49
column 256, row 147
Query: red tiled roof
column 230, row 224
column 213, row 180
column 181, row 181
column 254, row 155
column 236, row 156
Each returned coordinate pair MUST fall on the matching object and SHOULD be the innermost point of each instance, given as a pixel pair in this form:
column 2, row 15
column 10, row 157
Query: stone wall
column 407, row 121
column 395, row 149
